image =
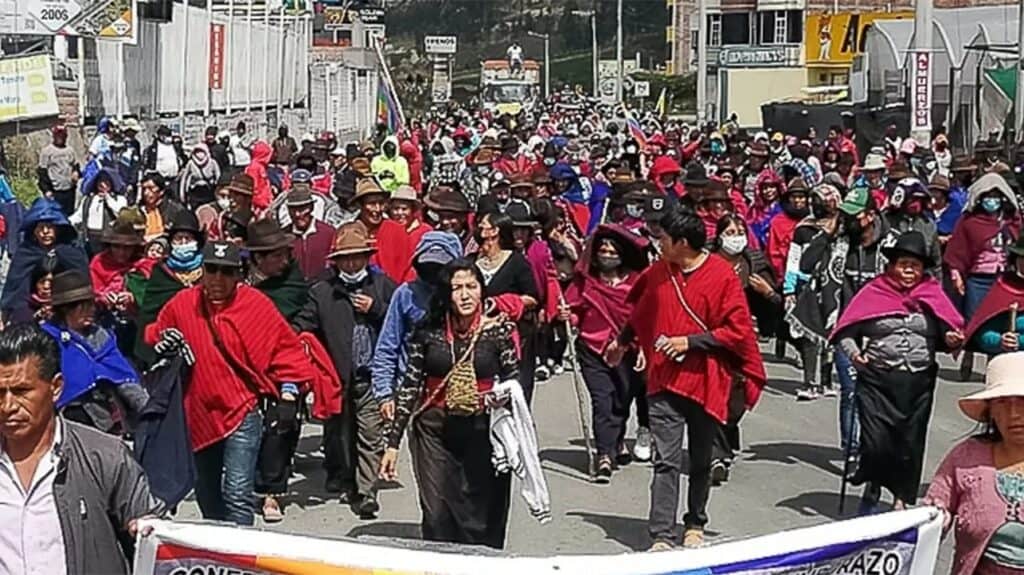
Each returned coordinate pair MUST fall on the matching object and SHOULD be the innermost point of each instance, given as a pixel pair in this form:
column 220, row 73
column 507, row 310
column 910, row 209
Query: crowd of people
column 208, row 302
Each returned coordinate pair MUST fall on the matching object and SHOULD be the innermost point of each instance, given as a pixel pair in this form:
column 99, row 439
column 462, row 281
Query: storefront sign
column 216, row 57
column 921, row 92
column 836, row 38
column 752, row 57
column 440, row 44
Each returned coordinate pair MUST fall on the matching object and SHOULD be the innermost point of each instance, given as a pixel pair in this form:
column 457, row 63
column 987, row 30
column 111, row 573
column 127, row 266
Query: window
column 714, row 30
column 780, row 27
column 736, row 29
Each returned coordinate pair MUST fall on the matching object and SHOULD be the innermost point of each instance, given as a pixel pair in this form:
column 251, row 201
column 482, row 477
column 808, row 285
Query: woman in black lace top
column 462, row 498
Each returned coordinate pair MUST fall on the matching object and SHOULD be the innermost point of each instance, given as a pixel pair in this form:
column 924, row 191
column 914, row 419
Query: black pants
column 672, row 417
column 551, row 342
column 282, row 426
column 461, row 498
column 727, row 436
column 527, row 355
column 66, row 199
column 612, row 390
column 354, row 443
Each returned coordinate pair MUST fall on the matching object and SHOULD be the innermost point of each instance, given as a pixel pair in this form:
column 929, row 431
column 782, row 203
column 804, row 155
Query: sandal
column 272, row 510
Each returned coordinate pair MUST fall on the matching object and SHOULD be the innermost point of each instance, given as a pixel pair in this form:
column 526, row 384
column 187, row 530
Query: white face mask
column 734, row 245
column 353, row 279
column 224, row 203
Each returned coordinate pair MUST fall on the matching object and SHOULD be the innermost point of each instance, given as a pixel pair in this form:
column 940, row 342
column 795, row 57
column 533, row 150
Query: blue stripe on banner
column 809, row 556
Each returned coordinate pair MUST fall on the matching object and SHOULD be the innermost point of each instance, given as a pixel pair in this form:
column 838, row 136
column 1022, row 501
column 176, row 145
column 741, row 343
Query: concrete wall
column 743, row 90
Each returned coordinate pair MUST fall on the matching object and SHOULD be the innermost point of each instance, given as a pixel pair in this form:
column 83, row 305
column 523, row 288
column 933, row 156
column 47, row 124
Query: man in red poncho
column 780, row 232
column 394, row 254
column 690, row 319
column 243, row 350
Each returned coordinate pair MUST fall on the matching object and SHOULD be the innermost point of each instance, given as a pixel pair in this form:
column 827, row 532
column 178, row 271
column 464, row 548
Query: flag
column 387, row 106
column 634, row 128
column 662, row 106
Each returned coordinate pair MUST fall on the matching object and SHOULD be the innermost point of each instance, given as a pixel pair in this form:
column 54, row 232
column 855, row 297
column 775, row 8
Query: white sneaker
column 642, row 448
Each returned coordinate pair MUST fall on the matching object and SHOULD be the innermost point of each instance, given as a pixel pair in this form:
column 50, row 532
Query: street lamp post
column 547, row 60
column 592, row 14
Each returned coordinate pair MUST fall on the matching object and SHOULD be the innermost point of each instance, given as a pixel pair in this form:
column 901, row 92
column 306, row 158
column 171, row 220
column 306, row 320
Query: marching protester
column 977, row 485
column 596, row 304
column 346, row 313
column 103, row 199
column 690, row 319
column 994, row 328
column 58, row 170
column 71, row 495
column 456, row 358
column 891, row 331
column 313, row 238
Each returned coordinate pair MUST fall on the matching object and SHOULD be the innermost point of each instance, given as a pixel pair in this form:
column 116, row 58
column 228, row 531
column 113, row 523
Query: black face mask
column 819, row 211
column 795, row 212
column 851, row 224
column 608, row 263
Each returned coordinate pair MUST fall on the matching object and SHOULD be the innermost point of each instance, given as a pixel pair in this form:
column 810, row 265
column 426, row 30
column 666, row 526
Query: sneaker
column 368, row 507
column 660, row 545
column 719, row 472
column 542, row 374
column 558, row 369
column 830, row 391
column 642, row 448
column 604, row 470
column 693, row 538
column 807, row 394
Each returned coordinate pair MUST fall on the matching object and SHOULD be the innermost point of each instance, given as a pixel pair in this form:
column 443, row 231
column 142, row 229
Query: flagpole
column 378, row 43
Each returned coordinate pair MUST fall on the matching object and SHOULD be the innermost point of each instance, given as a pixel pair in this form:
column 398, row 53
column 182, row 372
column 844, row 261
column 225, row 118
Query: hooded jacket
column 408, row 306
column 576, row 195
column 392, row 172
column 201, row 171
column 414, row 158
column 257, row 169
column 113, row 203
column 30, row 254
column 664, row 165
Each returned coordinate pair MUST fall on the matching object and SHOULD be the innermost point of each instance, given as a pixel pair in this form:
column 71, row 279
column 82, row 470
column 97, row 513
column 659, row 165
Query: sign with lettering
column 216, row 57
column 752, row 57
column 831, row 39
column 921, row 92
column 440, row 44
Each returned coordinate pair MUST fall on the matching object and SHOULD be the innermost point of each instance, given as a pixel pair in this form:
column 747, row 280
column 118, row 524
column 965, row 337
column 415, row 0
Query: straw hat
column 1002, row 379
column 368, row 187
column 351, row 240
column 405, row 193
column 71, row 286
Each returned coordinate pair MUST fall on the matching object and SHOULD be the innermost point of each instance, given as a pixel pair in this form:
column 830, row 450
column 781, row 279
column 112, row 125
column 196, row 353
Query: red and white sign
column 921, row 92
column 216, row 57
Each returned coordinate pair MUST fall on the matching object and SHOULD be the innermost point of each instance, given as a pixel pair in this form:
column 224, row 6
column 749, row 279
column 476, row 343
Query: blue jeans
column 226, row 474
column 976, row 287
column 849, row 427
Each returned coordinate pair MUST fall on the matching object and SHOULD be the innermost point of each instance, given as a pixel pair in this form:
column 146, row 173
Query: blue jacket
column 408, row 306
column 578, row 191
column 599, row 195
column 945, row 223
column 84, row 367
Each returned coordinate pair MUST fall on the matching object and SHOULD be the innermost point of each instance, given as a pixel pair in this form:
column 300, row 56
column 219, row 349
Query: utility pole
column 592, row 14
column 922, row 44
column 702, row 61
column 547, row 60
column 1018, row 101
column 619, row 76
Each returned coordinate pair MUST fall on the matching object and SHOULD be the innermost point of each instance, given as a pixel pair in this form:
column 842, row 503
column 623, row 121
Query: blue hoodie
column 578, row 191
column 408, row 307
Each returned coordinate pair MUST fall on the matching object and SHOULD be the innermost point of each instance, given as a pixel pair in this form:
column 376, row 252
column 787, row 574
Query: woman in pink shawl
column 597, row 306
column 891, row 331
column 768, row 188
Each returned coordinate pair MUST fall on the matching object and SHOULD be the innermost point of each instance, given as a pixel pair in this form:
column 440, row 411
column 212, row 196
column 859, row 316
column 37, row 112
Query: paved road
column 787, row 476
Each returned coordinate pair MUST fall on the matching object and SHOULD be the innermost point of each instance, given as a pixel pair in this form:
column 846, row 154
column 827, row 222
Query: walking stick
column 581, row 392
column 1013, row 318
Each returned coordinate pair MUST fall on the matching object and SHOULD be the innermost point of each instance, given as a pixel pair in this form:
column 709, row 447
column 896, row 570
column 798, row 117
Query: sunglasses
column 216, row 269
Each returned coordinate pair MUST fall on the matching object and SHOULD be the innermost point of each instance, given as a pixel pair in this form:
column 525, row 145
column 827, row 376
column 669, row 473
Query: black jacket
column 330, row 315
column 98, row 489
column 163, row 446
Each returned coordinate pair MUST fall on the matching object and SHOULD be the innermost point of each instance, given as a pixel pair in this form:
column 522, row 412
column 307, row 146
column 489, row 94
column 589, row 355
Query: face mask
column 853, row 227
column 608, row 263
column 819, row 211
column 717, row 147
column 630, row 149
column 991, row 205
column 734, row 245
column 165, row 140
column 353, row 279
column 223, row 203
column 184, row 252
column 634, row 211
column 549, row 162
column 914, row 208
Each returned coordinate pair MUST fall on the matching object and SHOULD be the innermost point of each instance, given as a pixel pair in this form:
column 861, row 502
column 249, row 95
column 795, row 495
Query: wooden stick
column 1013, row 317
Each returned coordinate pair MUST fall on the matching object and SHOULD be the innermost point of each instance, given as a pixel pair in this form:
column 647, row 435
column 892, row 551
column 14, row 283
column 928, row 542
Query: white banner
column 898, row 543
column 921, row 92
column 26, row 88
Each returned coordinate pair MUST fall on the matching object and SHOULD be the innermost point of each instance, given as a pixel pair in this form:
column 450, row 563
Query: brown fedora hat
column 361, row 166
column 71, row 286
column 267, row 236
column 242, row 184
column 351, row 239
column 368, row 187
column 447, row 199
column 121, row 233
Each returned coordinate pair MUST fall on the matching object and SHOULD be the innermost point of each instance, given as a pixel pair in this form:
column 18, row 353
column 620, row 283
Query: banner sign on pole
column 642, row 89
column 440, row 44
column 216, row 56
column 26, row 88
column 107, row 19
column 921, row 92
column 897, row 543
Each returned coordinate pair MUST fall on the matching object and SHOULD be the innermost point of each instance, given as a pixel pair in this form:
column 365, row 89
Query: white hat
column 1002, row 379
column 873, row 162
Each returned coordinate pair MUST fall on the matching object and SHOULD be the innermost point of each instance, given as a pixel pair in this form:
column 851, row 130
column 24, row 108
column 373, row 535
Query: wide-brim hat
column 716, row 190
column 910, row 244
column 483, row 157
column 267, row 236
column 446, row 199
column 405, row 193
column 873, row 163
column 519, row 213
column 939, row 183
column 367, row 187
column 1002, row 379
column 351, row 239
column 962, row 164
column 242, row 184
column 796, row 185
column 360, row 166
column 899, row 170
column 696, row 175
column 186, row 221
column 70, row 287
column 121, row 233
column 300, row 195
column 521, row 180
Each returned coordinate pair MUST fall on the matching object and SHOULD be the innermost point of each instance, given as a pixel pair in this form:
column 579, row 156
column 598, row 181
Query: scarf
column 188, row 265
column 883, row 297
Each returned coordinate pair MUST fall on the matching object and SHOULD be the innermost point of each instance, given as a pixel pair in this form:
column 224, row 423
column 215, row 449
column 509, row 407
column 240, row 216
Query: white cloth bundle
column 514, row 442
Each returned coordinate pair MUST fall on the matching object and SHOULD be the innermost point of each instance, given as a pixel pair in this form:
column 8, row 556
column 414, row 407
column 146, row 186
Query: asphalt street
column 787, row 476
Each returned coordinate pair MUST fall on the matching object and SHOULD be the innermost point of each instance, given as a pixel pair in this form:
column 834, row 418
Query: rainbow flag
column 388, row 111
column 634, row 129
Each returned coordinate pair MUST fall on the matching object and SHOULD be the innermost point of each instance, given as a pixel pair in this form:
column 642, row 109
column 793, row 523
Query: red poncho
column 258, row 338
column 714, row 293
column 1004, row 292
column 780, row 236
column 108, row 276
column 971, row 237
column 257, row 169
